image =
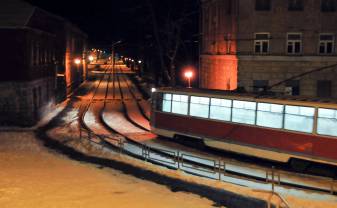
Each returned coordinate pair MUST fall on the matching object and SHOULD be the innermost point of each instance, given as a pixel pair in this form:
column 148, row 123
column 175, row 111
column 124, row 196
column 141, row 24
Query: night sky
column 106, row 21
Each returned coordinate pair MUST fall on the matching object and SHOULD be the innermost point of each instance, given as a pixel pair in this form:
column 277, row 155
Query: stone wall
column 279, row 69
column 24, row 103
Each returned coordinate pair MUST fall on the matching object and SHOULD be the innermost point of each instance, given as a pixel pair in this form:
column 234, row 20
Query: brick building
column 253, row 44
column 37, row 61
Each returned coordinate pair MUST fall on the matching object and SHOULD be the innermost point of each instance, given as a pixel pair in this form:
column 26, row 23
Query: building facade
column 257, row 44
column 37, row 49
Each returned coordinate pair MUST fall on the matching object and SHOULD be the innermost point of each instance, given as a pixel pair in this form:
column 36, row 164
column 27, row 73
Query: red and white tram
column 273, row 128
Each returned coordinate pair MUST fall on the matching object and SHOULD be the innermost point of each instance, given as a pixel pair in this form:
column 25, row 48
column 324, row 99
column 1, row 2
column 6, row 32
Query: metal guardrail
column 183, row 161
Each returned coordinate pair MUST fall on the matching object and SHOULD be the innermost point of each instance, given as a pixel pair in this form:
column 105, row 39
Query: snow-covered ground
column 31, row 176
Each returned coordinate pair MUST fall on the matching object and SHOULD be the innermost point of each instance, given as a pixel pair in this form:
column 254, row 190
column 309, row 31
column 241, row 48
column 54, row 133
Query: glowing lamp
column 77, row 61
column 91, row 58
column 139, row 61
column 188, row 75
column 153, row 89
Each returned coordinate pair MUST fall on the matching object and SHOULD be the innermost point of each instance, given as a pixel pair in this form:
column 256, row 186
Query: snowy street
column 33, row 176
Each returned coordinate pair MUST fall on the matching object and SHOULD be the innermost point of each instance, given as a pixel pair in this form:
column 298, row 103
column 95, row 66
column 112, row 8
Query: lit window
column 295, row 5
column 244, row 112
column 294, row 43
column 299, row 118
column 180, row 104
column 326, row 43
column 328, row 5
column 261, row 43
column 270, row 115
column 167, row 102
column 327, row 122
column 262, row 5
column 221, row 109
column 199, row 106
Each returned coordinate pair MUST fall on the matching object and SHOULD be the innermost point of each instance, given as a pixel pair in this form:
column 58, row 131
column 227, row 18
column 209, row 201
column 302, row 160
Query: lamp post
column 113, row 63
column 188, row 75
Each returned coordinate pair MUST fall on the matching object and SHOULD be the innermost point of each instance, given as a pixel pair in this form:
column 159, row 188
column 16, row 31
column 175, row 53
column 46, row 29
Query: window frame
column 261, row 41
column 301, row 106
column 231, row 109
column 264, row 8
column 294, row 7
column 325, row 44
column 325, row 10
column 317, row 121
column 293, row 42
column 190, row 103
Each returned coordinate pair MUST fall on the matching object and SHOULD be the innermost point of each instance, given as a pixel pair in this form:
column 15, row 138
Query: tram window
column 221, row 109
column 269, row 115
column 327, row 122
column 180, row 104
column 167, row 102
column 199, row 106
column 244, row 112
column 299, row 118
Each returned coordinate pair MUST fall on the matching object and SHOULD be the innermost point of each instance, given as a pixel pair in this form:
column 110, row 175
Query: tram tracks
column 162, row 155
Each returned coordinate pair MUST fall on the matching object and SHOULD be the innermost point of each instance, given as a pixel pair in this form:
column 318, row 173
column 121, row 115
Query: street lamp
column 91, row 58
column 113, row 63
column 188, row 75
column 77, row 61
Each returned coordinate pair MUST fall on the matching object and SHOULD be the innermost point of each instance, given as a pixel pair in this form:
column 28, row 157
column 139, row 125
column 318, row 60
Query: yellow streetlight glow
column 77, row 61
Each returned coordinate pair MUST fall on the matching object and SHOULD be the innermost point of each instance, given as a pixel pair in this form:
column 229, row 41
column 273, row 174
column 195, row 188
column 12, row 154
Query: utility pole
column 113, row 65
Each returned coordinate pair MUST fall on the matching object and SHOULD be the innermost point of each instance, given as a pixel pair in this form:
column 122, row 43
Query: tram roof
column 258, row 97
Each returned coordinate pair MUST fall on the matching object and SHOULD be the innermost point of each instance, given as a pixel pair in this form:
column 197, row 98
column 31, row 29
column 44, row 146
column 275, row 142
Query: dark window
column 261, row 43
column 229, row 7
column 328, row 5
column 292, row 87
column 324, row 88
column 295, row 5
column 326, row 44
column 294, row 43
column 262, row 5
column 260, row 85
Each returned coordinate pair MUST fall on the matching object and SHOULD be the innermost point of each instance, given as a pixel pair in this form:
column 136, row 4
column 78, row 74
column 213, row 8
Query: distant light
column 153, row 89
column 140, row 61
column 77, row 61
column 91, row 58
column 188, row 74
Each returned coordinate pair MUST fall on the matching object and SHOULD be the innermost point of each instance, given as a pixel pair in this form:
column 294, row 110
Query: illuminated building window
column 295, row 5
column 262, row 5
column 261, row 43
column 326, row 44
column 294, row 43
column 328, row 5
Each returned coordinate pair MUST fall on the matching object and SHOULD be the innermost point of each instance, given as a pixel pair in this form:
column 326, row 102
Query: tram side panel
column 302, row 145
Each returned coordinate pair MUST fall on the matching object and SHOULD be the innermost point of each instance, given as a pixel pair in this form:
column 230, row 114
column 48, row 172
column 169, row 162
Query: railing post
column 273, row 179
column 219, row 170
column 178, row 159
column 332, row 187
